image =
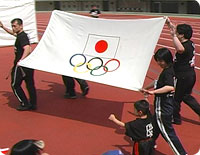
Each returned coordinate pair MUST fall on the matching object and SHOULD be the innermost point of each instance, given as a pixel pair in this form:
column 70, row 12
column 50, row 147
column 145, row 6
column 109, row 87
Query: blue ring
column 70, row 60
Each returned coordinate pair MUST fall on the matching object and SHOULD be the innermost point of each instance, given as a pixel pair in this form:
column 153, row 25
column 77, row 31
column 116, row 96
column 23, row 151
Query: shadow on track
column 90, row 110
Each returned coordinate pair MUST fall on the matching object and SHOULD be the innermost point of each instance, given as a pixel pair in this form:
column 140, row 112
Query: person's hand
column 150, row 92
column 142, row 90
column 111, row 117
column 167, row 20
column 1, row 24
column 171, row 27
column 146, row 92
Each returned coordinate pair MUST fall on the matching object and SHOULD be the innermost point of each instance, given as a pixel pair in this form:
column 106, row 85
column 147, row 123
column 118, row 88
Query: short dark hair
column 18, row 20
column 185, row 29
column 164, row 54
column 26, row 147
column 142, row 105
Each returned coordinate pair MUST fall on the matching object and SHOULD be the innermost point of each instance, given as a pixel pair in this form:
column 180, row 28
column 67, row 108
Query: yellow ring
column 78, row 65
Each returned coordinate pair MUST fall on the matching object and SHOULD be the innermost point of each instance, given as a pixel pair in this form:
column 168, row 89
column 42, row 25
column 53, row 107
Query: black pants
column 143, row 148
column 163, row 124
column 184, row 86
column 18, row 75
column 70, row 84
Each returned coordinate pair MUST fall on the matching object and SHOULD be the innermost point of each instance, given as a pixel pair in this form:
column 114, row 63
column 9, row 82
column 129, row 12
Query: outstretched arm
column 116, row 121
column 177, row 44
column 145, row 89
column 7, row 29
column 165, row 89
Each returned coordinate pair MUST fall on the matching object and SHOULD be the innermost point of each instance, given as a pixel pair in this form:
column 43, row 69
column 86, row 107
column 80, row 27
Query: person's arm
column 145, row 89
column 150, row 86
column 177, row 44
column 7, row 29
column 162, row 90
column 27, row 51
column 116, row 121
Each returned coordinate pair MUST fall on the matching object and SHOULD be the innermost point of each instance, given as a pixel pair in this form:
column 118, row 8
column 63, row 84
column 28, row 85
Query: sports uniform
column 19, row 74
column 186, row 78
column 141, row 131
column 163, row 105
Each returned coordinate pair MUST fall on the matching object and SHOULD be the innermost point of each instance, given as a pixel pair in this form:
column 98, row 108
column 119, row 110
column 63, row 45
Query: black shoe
column 85, row 91
column 68, row 96
column 23, row 108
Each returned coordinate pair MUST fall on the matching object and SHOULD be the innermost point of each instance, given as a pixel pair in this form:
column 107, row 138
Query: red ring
column 110, row 61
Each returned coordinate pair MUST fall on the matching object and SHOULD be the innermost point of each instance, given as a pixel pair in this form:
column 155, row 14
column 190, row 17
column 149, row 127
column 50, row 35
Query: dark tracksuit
column 186, row 78
column 163, row 105
column 70, row 84
column 19, row 74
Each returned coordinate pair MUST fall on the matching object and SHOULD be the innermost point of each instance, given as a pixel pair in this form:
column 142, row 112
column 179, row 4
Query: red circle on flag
column 101, row 46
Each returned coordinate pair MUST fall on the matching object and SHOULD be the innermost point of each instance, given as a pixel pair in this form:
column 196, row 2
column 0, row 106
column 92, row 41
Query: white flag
column 24, row 9
column 108, row 51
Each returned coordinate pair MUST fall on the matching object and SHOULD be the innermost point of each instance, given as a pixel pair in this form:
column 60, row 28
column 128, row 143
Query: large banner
column 107, row 51
column 24, row 9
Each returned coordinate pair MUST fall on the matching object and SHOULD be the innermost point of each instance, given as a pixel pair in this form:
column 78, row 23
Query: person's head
column 184, row 31
column 94, row 7
column 27, row 147
column 141, row 107
column 163, row 57
column 17, row 25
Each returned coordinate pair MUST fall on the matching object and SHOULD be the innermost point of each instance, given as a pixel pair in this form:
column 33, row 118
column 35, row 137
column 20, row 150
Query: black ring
column 97, row 66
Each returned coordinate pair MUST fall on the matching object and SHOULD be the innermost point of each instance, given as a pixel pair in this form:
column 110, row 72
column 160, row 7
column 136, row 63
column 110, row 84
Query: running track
column 81, row 127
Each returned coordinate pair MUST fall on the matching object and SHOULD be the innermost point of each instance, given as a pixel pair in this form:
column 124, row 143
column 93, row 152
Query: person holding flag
column 184, row 64
column 164, row 101
column 18, row 73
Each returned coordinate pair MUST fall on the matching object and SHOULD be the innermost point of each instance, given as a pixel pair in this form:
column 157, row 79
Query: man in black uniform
column 18, row 74
column 140, row 130
column 184, row 69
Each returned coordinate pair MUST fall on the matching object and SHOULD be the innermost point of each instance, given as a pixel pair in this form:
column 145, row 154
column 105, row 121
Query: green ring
column 96, row 68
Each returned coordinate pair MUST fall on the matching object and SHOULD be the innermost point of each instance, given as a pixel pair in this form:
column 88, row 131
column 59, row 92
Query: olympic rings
column 95, row 67
column 110, row 61
column 89, row 66
column 70, row 60
column 80, row 64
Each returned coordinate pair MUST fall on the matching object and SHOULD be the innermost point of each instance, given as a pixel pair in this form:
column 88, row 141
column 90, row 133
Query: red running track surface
column 80, row 126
